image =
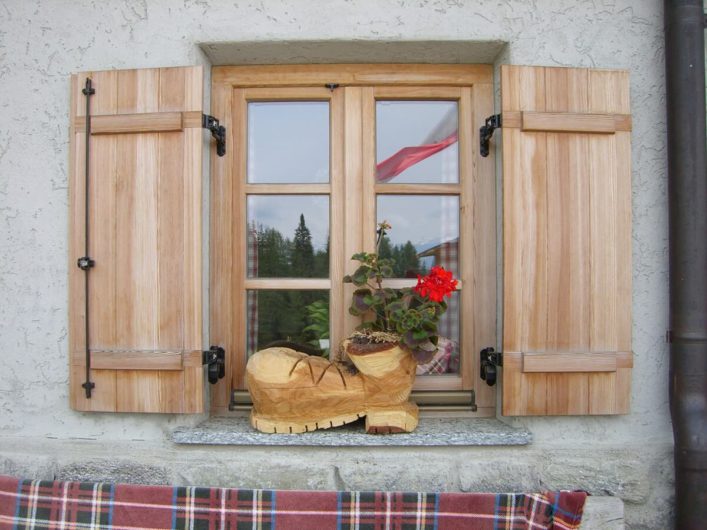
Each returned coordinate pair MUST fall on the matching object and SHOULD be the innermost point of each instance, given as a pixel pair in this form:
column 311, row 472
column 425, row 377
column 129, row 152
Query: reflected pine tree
column 283, row 314
column 406, row 263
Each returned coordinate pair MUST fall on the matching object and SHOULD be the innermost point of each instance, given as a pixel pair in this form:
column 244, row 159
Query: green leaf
column 361, row 301
column 419, row 334
column 360, row 276
column 423, row 356
column 348, row 279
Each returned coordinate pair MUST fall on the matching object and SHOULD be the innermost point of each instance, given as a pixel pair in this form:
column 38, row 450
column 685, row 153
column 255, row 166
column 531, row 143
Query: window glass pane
column 446, row 360
column 425, row 232
column 296, row 316
column 288, row 142
column 416, row 142
column 288, row 236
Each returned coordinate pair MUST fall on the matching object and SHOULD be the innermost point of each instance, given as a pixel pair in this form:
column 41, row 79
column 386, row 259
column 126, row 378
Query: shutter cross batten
column 140, row 195
column 567, row 241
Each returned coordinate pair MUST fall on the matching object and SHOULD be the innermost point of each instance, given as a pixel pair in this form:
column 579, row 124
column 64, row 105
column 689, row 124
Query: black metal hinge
column 492, row 123
column 215, row 359
column 85, row 263
column 489, row 359
column 218, row 131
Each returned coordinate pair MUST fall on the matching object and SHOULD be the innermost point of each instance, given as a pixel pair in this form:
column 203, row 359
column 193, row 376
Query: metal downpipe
column 687, row 196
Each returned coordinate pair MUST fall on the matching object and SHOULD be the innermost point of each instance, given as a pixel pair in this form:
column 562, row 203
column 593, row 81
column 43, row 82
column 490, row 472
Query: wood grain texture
column 221, row 249
column 338, row 306
column 142, row 360
column 567, row 247
column 569, row 122
column 468, row 236
column 353, row 191
column 238, row 221
column 482, row 303
column 352, row 75
column 145, row 226
column 570, row 362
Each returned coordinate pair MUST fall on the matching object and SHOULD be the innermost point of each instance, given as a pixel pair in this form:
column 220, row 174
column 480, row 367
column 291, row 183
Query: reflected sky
column 288, row 142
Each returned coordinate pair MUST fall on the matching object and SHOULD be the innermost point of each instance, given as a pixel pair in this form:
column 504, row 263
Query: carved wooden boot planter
column 294, row 392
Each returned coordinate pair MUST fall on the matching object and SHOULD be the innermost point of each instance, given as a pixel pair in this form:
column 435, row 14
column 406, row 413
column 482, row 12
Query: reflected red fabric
column 409, row 156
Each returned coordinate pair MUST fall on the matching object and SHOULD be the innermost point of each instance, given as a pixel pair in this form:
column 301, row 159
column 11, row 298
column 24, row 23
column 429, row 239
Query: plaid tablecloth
column 34, row 504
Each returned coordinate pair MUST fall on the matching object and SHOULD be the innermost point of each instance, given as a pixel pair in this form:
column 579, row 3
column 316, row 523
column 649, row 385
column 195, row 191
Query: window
column 320, row 155
column 332, row 149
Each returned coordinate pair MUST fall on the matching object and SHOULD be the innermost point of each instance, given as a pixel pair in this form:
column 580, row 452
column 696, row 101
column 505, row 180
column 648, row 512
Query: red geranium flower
column 436, row 285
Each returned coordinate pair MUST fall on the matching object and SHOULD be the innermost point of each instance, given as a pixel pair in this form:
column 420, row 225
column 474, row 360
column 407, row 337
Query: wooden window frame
column 359, row 86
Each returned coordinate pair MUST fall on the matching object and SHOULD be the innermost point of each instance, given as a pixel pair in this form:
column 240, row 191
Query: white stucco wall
column 43, row 41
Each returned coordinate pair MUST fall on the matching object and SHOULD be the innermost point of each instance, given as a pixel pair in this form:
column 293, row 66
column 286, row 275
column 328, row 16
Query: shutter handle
column 492, row 123
column 218, row 131
column 215, row 359
column 489, row 359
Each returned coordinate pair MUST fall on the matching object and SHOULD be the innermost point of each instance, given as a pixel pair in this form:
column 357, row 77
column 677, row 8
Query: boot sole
column 387, row 420
column 392, row 420
column 270, row 425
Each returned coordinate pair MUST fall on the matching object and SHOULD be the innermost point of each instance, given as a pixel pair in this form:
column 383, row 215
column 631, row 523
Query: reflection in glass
column 425, row 232
column 296, row 316
column 288, row 236
column 288, row 142
column 416, row 142
column 446, row 360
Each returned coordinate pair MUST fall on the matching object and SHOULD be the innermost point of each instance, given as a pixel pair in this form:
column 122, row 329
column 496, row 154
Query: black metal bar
column 687, row 197
column 85, row 263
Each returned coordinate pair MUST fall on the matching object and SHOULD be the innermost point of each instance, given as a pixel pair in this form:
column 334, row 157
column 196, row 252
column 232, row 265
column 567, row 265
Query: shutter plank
column 578, row 303
column 512, row 241
column 170, row 242
column 172, row 87
column 534, row 256
column 102, row 218
column 194, row 378
column 146, row 239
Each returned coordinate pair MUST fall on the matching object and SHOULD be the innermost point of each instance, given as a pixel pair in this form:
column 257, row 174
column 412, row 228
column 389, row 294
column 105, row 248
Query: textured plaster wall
column 43, row 41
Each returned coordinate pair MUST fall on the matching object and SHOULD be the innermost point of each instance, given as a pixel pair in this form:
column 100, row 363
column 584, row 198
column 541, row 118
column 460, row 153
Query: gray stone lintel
column 430, row 432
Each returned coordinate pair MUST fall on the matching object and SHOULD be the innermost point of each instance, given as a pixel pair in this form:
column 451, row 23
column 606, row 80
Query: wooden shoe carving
column 294, row 392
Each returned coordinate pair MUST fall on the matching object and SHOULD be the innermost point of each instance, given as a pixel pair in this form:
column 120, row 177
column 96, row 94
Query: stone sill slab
column 429, row 433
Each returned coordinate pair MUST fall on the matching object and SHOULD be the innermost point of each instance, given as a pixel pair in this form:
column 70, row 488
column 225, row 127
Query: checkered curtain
column 449, row 259
column 252, row 296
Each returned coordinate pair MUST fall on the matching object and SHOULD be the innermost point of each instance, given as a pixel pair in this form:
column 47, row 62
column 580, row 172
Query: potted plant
column 407, row 317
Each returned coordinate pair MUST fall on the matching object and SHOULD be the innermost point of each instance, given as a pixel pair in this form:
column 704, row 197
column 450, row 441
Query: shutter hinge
column 492, row 123
column 489, row 359
column 218, row 131
column 85, row 263
column 215, row 359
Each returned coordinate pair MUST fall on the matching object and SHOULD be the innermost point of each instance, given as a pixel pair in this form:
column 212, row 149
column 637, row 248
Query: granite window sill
column 429, row 433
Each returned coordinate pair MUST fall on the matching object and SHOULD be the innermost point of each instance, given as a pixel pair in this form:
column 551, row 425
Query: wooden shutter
column 567, row 241
column 144, row 218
